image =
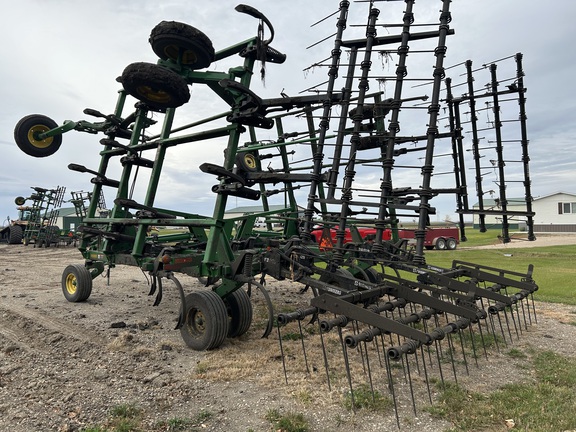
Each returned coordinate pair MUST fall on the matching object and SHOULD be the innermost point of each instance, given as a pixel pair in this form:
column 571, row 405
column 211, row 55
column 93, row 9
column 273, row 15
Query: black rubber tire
column 15, row 234
column 451, row 243
column 240, row 312
column 374, row 275
column 441, row 243
column 159, row 88
column 329, row 279
column 246, row 161
column 19, row 201
column 205, row 321
column 183, row 44
column 25, row 131
column 76, row 283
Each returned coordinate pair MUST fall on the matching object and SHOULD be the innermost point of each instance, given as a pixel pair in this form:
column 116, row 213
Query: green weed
column 290, row 422
column 363, row 397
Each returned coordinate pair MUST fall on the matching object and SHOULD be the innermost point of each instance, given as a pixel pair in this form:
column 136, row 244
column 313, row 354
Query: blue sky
column 62, row 56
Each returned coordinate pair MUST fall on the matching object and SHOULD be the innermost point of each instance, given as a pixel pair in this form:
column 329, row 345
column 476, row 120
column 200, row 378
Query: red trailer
column 436, row 238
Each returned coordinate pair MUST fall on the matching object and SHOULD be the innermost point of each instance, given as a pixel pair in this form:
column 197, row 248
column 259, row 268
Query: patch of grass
column 125, row 418
column 128, row 418
column 184, row 424
column 555, row 369
column 554, row 271
column 126, row 411
column 202, row 416
column 362, row 397
column 305, row 397
column 291, row 336
column 290, row 422
column 201, row 368
column 516, row 353
column 544, row 405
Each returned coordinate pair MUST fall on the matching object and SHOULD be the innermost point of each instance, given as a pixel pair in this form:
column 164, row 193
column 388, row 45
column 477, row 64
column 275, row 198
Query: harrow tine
column 451, row 352
column 533, row 308
column 425, row 373
column 464, row 358
column 473, row 343
column 494, row 332
column 347, row 366
column 391, row 387
column 284, row 319
column 410, row 384
column 355, row 330
column 378, row 349
column 303, row 347
column 502, row 328
column 324, row 355
column 282, row 354
column 514, row 321
column 438, row 350
column 524, row 315
column 369, row 372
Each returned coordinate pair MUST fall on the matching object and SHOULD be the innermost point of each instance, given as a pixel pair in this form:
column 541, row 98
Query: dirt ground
column 65, row 366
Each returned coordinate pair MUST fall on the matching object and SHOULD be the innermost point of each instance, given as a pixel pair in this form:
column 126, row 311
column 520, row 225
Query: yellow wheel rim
column 250, row 161
column 33, row 133
column 71, row 284
column 153, row 95
column 186, row 56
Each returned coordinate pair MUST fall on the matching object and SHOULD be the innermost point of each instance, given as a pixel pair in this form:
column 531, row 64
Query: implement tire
column 159, row 88
column 76, row 283
column 182, row 44
column 239, row 310
column 26, row 136
column 205, row 321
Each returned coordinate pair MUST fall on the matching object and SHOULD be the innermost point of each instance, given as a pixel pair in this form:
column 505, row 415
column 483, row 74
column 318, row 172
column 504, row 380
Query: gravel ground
column 64, row 366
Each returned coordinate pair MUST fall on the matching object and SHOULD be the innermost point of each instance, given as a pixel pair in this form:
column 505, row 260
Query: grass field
column 554, row 266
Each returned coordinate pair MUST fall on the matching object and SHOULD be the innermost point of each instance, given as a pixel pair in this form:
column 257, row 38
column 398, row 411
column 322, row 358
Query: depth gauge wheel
column 156, row 86
column 332, row 280
column 205, row 321
column 76, row 283
column 247, row 161
column 239, row 310
column 183, row 44
column 374, row 275
column 26, row 135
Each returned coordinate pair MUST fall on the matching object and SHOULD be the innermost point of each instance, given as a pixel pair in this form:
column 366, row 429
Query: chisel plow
column 319, row 165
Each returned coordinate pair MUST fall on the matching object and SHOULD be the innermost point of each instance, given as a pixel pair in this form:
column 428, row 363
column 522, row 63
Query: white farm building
column 554, row 213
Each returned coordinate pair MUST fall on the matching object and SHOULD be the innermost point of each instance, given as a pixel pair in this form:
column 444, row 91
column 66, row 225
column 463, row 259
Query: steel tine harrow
column 396, row 326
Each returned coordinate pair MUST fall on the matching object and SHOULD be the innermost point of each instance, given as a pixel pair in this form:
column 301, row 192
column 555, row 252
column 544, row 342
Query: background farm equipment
column 445, row 238
column 36, row 222
column 380, row 296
